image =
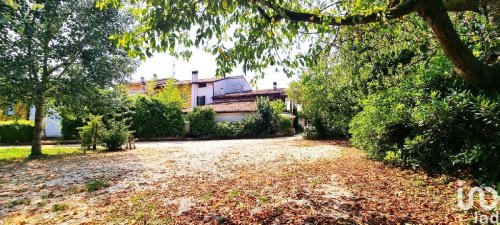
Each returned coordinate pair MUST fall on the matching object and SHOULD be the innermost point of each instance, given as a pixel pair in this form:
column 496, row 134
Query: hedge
column 202, row 122
column 285, row 126
column 155, row 119
column 69, row 128
column 16, row 131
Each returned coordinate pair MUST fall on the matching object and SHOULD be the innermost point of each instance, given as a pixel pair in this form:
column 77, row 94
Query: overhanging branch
column 392, row 12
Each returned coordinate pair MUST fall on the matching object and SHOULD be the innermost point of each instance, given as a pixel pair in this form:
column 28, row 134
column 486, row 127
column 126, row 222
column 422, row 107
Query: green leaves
column 73, row 51
column 11, row 3
column 153, row 118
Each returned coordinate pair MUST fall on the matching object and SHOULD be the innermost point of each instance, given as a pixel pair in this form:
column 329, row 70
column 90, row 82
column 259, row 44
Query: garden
column 401, row 98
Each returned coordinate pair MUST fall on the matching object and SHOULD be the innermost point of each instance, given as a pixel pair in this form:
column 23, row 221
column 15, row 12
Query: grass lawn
column 13, row 153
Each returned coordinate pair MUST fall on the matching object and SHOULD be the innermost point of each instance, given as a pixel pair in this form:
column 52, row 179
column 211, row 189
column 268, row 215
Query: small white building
column 53, row 125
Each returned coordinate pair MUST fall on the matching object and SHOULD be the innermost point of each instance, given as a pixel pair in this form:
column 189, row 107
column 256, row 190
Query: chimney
column 143, row 81
column 222, row 91
column 275, row 86
column 155, row 77
column 194, row 76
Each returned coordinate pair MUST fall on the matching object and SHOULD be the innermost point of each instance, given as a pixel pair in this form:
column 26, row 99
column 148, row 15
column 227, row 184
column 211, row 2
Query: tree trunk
column 466, row 64
column 36, row 147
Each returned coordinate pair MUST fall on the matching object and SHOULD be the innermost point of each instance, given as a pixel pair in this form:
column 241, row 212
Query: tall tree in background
column 268, row 32
column 53, row 51
column 170, row 94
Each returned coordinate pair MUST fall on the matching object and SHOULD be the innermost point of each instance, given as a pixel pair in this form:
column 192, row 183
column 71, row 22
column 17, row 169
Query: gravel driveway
column 151, row 166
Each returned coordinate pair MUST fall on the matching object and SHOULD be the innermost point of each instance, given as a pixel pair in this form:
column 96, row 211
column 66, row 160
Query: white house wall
column 231, row 117
column 231, row 85
column 52, row 123
column 207, row 91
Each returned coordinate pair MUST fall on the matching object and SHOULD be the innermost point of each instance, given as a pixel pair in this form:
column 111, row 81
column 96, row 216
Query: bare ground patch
column 270, row 181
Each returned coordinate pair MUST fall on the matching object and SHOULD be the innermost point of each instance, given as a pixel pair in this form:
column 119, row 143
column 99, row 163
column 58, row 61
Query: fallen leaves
column 278, row 183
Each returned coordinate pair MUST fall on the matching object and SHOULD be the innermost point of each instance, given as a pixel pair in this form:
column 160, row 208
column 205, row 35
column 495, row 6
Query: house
column 236, row 106
column 232, row 98
column 52, row 128
column 197, row 92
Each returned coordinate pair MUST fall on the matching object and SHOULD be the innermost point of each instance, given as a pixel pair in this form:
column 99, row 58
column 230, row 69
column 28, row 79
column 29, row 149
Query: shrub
column 16, row 131
column 278, row 106
column 89, row 134
column 252, row 125
column 115, row 135
column 440, row 128
column 267, row 115
column 202, row 122
column 69, row 127
column 285, row 126
column 155, row 119
column 228, row 130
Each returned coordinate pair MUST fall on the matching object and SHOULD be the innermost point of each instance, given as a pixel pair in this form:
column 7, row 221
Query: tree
column 55, row 52
column 278, row 106
column 170, row 94
column 267, row 114
column 264, row 29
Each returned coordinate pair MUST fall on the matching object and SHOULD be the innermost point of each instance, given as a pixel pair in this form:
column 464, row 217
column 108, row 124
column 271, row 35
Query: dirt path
column 152, row 166
column 265, row 181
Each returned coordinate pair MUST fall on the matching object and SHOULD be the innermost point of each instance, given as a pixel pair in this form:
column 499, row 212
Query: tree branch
column 466, row 64
column 393, row 11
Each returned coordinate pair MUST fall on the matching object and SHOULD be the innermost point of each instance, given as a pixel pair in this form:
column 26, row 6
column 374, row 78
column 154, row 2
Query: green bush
column 202, row 122
column 155, row 119
column 115, row 135
column 252, row 125
column 69, row 127
column 285, row 126
column 228, row 130
column 89, row 134
column 268, row 117
column 437, row 126
column 16, row 131
column 311, row 134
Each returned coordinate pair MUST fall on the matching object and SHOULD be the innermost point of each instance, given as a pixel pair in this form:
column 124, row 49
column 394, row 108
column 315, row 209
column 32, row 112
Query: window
column 202, row 85
column 200, row 100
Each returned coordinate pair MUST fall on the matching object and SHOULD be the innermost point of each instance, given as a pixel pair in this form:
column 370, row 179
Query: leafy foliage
column 170, row 94
column 278, row 106
column 285, row 126
column 431, row 121
column 115, row 135
column 16, row 131
column 153, row 118
column 69, row 127
column 253, row 125
column 202, row 122
column 268, row 116
column 56, row 53
column 89, row 134
column 403, row 103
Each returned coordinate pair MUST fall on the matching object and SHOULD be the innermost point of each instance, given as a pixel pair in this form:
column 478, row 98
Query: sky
column 162, row 65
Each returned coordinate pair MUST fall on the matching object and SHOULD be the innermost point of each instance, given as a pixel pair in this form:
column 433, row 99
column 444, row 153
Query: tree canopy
column 261, row 33
column 54, row 52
